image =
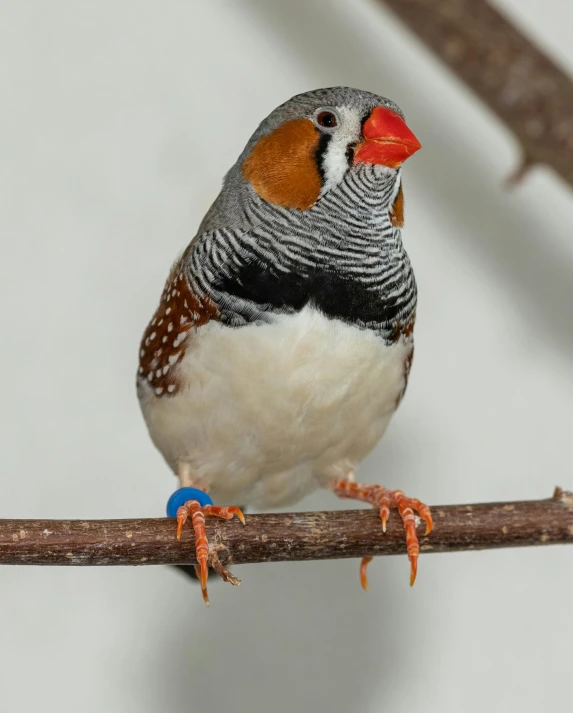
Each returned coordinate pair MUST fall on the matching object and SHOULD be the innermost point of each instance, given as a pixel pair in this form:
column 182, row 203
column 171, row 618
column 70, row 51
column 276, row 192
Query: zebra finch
column 283, row 340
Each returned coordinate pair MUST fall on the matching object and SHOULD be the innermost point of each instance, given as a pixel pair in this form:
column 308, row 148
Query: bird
column 283, row 339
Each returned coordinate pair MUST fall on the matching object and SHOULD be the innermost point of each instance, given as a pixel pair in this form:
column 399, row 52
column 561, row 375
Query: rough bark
column 286, row 537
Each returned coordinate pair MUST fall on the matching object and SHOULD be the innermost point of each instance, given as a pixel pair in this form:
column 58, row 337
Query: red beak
column 387, row 139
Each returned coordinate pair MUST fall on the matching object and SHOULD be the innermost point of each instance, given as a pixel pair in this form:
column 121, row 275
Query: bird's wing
column 167, row 336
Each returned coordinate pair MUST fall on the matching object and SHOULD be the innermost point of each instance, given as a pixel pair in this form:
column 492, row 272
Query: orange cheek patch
column 397, row 211
column 282, row 167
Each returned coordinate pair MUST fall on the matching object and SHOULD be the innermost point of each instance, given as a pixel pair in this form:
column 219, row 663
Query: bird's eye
column 327, row 119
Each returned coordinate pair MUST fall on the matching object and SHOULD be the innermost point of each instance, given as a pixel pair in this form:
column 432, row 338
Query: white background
column 118, row 121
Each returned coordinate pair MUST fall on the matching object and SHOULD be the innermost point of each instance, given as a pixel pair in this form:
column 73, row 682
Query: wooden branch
column 530, row 93
column 282, row 537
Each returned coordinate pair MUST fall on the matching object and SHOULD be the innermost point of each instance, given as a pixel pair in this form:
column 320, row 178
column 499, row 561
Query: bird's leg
column 384, row 499
column 186, row 476
column 198, row 512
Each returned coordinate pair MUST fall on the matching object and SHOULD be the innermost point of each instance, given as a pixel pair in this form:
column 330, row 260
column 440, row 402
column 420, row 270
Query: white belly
column 270, row 412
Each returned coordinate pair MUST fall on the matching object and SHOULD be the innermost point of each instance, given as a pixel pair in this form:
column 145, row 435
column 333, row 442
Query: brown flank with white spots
column 167, row 336
column 407, row 332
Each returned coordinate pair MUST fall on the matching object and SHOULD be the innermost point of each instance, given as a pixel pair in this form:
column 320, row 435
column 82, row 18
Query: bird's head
column 308, row 145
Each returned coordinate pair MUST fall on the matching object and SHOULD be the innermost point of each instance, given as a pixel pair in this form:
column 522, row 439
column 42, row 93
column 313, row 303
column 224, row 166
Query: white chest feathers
column 270, row 412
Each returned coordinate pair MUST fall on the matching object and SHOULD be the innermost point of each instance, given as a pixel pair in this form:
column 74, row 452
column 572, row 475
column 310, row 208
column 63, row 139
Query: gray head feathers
column 226, row 210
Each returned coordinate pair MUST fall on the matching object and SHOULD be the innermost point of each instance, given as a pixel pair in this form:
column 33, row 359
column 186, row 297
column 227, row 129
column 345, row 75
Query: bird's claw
column 225, row 575
column 198, row 512
column 384, row 499
column 407, row 507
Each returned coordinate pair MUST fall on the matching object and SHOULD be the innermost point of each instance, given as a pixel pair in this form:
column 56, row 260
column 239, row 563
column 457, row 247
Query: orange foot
column 383, row 498
column 197, row 513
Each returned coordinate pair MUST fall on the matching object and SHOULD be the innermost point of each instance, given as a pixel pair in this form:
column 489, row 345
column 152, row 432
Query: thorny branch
column 285, row 537
column 530, row 93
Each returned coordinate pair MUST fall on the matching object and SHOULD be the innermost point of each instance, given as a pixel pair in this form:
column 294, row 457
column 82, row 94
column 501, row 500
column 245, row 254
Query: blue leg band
column 181, row 496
